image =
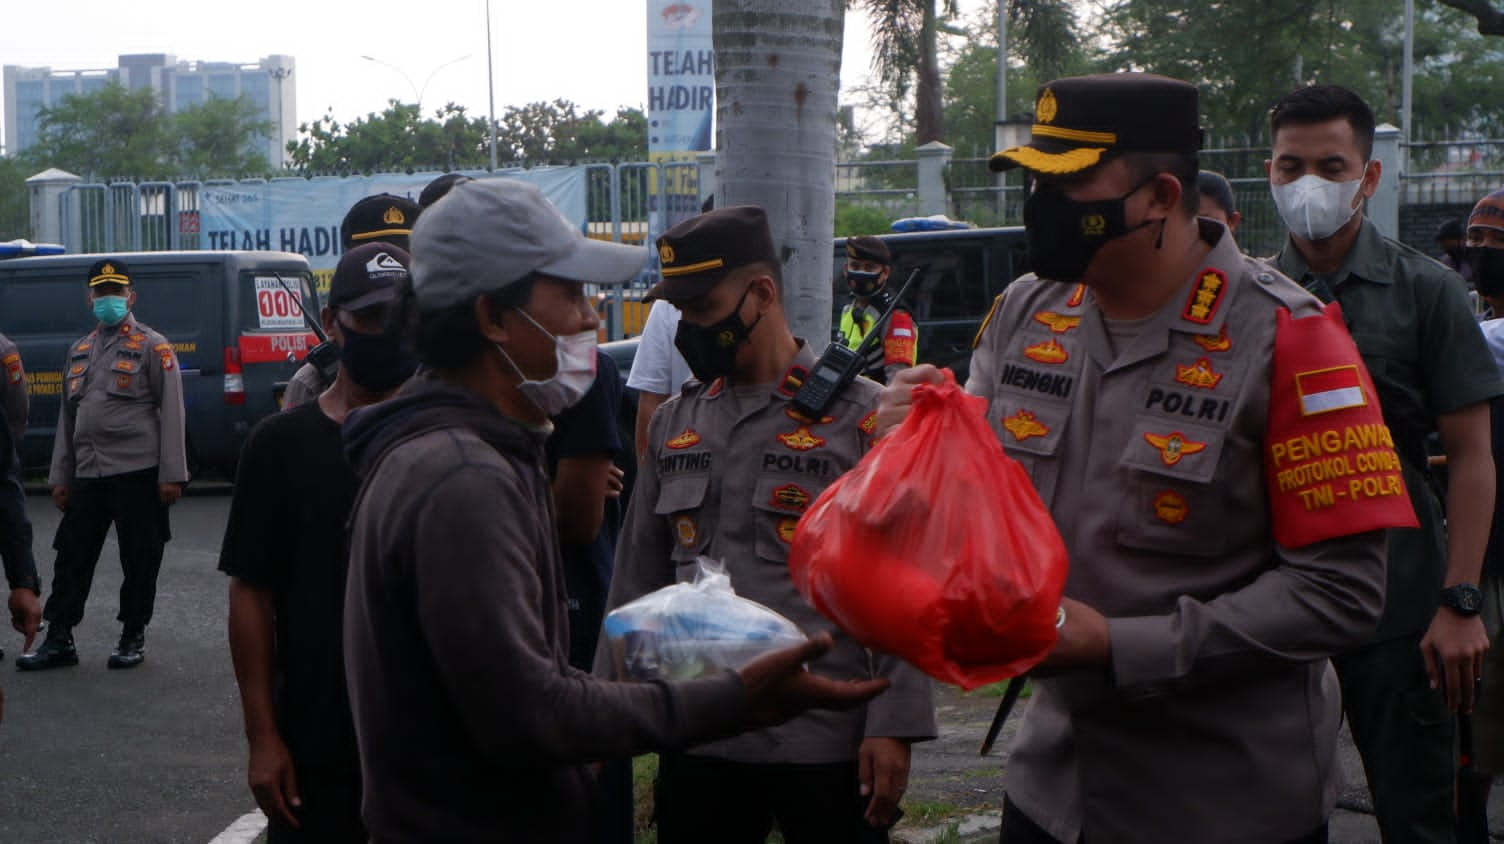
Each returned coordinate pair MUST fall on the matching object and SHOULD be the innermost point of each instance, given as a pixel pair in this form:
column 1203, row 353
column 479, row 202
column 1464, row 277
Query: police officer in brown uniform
column 1190, row 696
column 730, row 468
column 378, row 218
column 15, row 404
column 119, row 458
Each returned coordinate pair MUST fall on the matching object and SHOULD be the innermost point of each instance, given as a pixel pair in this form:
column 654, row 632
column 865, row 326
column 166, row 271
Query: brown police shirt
column 122, row 408
column 1217, row 720
column 729, row 471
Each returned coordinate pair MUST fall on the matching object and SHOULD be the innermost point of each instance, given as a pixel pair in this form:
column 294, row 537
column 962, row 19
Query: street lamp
column 417, row 92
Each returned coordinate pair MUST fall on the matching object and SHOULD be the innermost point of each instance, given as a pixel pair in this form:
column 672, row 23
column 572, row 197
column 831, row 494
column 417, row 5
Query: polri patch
column 1173, row 446
column 1199, row 374
column 790, row 497
column 1206, row 296
column 801, row 439
column 1057, row 323
column 684, row 440
column 1219, row 343
column 869, row 423
column 1049, row 351
column 687, row 531
column 1170, row 507
column 786, row 528
column 1023, row 425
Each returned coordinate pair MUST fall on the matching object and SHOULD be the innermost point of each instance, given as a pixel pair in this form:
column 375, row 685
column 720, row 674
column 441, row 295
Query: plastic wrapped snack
column 690, row 630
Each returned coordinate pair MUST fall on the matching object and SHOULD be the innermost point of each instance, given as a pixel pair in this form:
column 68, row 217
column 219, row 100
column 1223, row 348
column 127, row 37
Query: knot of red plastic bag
column 928, row 398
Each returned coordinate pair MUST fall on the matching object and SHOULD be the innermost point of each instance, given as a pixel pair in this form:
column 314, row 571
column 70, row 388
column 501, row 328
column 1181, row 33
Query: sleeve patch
column 1329, row 459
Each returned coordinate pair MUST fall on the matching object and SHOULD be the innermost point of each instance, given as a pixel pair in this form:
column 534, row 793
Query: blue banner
column 681, row 76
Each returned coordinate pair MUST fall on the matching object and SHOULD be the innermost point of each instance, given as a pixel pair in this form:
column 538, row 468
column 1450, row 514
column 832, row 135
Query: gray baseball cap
column 490, row 233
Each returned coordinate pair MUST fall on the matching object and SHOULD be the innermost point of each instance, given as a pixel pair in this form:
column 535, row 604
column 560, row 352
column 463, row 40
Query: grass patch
column 644, row 771
column 930, row 812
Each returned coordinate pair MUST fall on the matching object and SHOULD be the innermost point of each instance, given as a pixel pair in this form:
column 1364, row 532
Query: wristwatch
column 1465, row 599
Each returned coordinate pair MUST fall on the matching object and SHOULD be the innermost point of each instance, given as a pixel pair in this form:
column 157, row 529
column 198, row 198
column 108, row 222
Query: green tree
column 112, row 133
column 906, row 55
column 15, row 208
column 221, row 137
column 559, row 133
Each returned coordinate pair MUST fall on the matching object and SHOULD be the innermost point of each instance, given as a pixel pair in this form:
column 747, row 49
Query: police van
column 235, row 319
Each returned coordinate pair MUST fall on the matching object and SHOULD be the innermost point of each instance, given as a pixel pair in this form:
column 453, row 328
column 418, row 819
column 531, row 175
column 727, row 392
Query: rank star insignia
column 1199, row 374
column 790, row 497
column 1023, row 425
column 1220, row 343
column 1050, row 351
column 1170, row 508
column 1205, row 297
column 1174, row 446
column 800, row 439
column 786, row 528
column 1077, row 297
column 687, row 531
column 1057, row 323
column 684, row 440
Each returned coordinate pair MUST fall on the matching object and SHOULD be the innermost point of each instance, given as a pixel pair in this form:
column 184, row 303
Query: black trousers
column 701, row 799
column 330, row 813
column 1019, row 829
column 130, row 502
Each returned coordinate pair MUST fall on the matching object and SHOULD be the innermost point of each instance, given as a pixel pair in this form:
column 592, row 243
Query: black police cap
column 383, row 217
column 702, row 250
column 109, row 271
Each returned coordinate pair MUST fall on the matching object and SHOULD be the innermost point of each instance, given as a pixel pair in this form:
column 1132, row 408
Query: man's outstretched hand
column 779, row 687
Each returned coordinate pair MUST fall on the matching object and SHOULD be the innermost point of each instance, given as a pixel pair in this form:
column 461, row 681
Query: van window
column 272, row 301
column 174, row 300
column 33, row 305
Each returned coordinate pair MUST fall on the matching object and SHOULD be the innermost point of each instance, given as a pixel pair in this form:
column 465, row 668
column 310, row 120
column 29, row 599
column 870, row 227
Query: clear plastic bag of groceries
column 691, row 630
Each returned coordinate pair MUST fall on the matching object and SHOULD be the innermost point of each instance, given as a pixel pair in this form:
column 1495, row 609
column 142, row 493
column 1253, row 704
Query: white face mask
column 575, row 355
column 1315, row 208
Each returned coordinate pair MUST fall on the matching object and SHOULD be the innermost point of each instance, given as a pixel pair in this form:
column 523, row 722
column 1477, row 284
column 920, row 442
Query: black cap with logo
column 702, row 250
column 109, row 271
column 1080, row 120
column 368, row 275
column 383, row 217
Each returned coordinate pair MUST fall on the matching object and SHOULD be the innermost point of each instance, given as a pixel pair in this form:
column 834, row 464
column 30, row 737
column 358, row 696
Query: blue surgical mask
column 111, row 310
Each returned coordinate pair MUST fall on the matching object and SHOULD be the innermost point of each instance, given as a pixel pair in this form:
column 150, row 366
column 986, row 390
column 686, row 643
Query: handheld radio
column 839, row 365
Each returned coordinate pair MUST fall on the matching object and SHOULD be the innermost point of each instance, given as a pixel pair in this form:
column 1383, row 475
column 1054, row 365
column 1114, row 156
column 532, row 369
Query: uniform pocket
column 1172, row 505
column 780, row 501
column 681, row 501
column 1031, row 433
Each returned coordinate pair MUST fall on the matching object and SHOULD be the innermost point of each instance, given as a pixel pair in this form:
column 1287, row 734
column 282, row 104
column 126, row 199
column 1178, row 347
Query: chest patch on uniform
column 1205, row 297
column 684, row 440
column 807, row 420
column 1049, row 351
column 1187, row 405
column 125, row 366
column 164, row 354
column 869, row 423
column 1326, row 390
column 13, row 370
column 1077, row 297
column 135, row 345
column 687, row 531
column 1199, row 374
column 1220, row 343
column 1173, row 446
column 791, row 497
column 84, row 346
column 1022, row 425
column 1057, row 323
column 801, row 439
column 123, row 382
column 786, row 528
column 77, row 368
column 1170, row 507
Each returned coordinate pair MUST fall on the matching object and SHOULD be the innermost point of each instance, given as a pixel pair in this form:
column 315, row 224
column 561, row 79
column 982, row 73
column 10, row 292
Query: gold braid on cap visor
column 1070, row 161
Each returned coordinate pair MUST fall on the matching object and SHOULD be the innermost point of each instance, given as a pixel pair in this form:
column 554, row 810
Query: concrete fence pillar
column 934, row 158
column 45, row 191
column 1384, row 207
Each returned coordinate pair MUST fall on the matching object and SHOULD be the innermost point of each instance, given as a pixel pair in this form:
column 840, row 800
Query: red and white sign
column 1327, row 390
column 275, row 348
column 277, row 304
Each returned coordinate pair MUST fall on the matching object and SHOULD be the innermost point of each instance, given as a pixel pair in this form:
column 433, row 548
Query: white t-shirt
column 658, row 367
column 1493, row 332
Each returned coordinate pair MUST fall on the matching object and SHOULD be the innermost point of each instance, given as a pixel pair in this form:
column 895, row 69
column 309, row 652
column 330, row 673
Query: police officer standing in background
column 119, row 458
column 731, row 466
column 15, row 527
column 378, row 218
column 868, row 267
column 1136, row 379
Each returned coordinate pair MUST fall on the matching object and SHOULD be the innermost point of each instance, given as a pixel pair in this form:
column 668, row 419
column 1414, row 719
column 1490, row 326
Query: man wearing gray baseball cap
column 470, row 722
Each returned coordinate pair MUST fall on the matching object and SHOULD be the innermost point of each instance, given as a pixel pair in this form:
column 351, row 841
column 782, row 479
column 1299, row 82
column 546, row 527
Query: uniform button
column 1265, row 277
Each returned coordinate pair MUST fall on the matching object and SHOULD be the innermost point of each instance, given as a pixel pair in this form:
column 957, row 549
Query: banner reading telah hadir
column 303, row 215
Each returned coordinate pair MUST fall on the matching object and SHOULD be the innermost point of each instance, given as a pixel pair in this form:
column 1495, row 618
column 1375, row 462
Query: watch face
column 1463, row 598
column 1469, row 600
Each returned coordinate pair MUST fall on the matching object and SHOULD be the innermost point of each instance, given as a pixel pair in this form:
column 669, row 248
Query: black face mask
column 1064, row 235
column 377, row 362
column 710, row 350
column 864, row 284
column 1488, row 269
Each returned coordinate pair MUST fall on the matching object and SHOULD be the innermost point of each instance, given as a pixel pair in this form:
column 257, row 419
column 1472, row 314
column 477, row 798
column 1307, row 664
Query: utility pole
column 491, row 85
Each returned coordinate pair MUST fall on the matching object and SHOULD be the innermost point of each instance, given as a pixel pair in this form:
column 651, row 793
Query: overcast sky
column 588, row 51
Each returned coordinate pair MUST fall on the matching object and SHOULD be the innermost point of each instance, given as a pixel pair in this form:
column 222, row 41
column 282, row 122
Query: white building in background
column 269, row 84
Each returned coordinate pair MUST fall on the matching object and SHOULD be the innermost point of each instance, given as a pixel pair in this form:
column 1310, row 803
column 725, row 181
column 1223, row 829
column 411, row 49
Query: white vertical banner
column 681, row 105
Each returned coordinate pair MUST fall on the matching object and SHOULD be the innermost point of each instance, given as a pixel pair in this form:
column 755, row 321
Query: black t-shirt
column 585, row 430
column 293, row 495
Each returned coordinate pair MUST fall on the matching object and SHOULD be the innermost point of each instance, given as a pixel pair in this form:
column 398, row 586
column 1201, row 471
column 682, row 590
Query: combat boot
column 130, row 652
column 56, row 651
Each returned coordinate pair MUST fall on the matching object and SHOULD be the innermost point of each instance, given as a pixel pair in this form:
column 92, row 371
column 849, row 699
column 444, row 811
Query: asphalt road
column 154, row 754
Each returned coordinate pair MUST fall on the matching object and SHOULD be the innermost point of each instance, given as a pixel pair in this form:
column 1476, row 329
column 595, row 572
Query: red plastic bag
column 936, row 548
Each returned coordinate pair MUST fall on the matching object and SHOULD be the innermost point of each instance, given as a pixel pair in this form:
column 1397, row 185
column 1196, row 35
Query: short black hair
column 1182, row 165
column 1321, row 103
column 448, row 338
column 1450, row 230
column 1214, row 186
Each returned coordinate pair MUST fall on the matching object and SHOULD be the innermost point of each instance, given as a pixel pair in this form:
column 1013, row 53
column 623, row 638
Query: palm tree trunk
column 777, row 72
column 929, row 111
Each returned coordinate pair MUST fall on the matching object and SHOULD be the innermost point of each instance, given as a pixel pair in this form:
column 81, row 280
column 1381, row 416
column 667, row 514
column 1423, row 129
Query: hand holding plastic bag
column 689, row 630
column 936, row 548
